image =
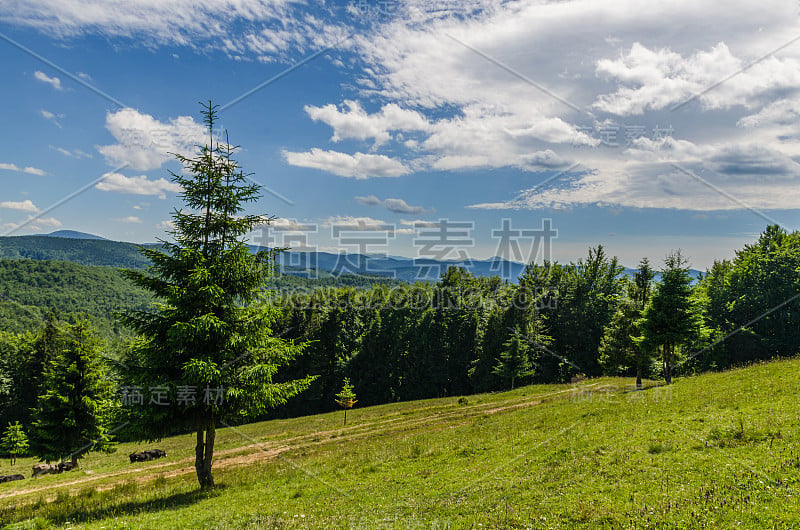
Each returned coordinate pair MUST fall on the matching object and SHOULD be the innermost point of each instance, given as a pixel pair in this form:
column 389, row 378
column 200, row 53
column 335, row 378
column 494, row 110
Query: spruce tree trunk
column 199, row 453
column 638, row 374
column 211, row 433
column 204, row 452
column 668, row 363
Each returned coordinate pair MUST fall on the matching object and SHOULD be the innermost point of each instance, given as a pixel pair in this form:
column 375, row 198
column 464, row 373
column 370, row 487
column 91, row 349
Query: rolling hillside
column 712, row 451
column 30, row 288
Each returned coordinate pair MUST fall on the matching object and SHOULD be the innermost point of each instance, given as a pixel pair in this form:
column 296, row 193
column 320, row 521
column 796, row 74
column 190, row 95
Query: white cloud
column 291, row 225
column 168, row 224
column 131, row 219
column 140, row 185
column 145, row 143
column 46, row 114
column 263, row 29
column 75, row 153
column 662, row 78
column 34, row 223
column 419, row 223
column 355, row 123
column 45, row 222
column 33, row 171
column 30, row 170
column 674, row 174
column 358, row 166
column 349, row 223
column 23, row 206
column 393, row 205
column 44, row 78
column 370, row 200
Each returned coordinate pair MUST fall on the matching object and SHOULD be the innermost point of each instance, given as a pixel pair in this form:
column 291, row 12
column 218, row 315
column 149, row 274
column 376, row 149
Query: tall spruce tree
column 76, row 407
column 671, row 318
column 210, row 345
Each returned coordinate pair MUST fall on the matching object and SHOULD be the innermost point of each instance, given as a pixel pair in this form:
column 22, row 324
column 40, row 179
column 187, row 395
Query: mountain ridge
column 89, row 249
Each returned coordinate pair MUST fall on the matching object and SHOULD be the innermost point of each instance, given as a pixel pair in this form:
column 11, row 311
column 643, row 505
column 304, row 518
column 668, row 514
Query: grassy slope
column 717, row 450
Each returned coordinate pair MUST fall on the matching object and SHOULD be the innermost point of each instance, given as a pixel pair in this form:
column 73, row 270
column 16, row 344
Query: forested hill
column 97, row 252
column 29, row 289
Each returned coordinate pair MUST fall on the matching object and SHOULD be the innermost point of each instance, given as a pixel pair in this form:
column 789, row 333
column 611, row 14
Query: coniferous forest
column 400, row 341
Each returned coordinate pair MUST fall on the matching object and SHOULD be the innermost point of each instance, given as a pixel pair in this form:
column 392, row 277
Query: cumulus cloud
column 358, row 166
column 356, row 123
column 145, row 143
column 140, row 185
column 23, row 206
column 393, row 205
column 44, row 78
column 662, row 78
column 291, row 225
column 355, row 223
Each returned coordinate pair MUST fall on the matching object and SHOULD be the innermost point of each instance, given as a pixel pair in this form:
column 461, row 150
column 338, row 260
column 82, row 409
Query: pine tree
column 76, row 407
column 671, row 319
column 14, row 442
column 346, row 398
column 514, row 363
column 210, row 342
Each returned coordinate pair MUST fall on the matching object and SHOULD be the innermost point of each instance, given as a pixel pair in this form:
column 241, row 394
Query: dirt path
column 267, row 450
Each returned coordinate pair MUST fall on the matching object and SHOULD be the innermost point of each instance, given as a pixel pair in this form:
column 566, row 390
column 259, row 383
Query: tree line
column 467, row 334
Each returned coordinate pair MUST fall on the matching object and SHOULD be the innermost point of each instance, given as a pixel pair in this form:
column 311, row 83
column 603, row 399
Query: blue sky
column 642, row 127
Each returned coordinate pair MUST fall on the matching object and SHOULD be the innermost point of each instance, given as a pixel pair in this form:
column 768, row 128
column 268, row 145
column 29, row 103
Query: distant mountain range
column 88, row 249
column 72, row 234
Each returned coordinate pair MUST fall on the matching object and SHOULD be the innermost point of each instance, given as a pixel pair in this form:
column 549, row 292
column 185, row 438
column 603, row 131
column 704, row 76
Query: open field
column 716, row 450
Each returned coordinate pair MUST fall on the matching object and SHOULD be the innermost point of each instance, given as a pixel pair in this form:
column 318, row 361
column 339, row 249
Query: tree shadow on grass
column 91, row 505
